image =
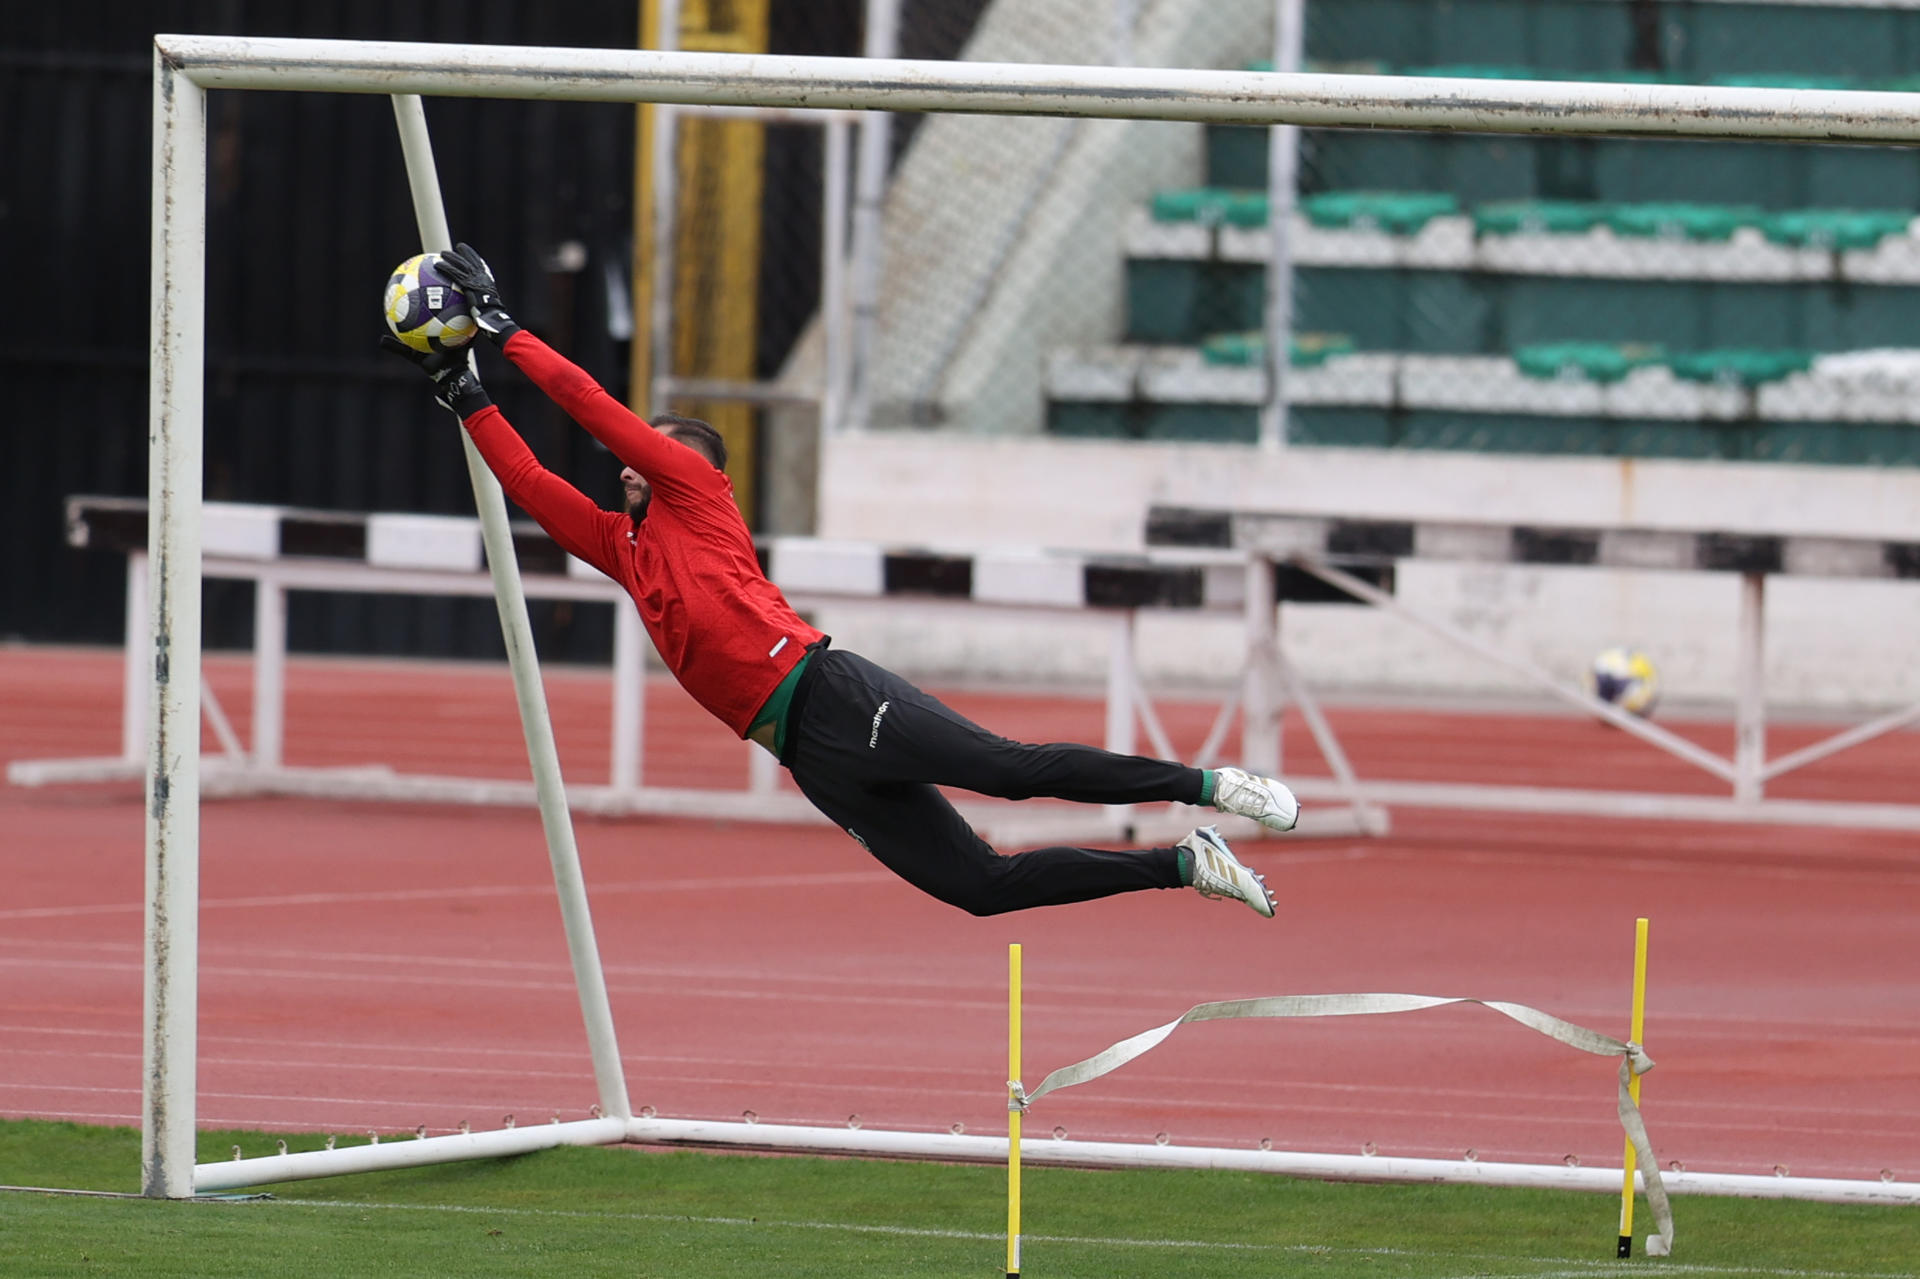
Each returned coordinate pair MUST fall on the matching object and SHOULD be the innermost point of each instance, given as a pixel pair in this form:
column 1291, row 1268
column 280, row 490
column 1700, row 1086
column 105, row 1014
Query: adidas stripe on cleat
column 1218, row 873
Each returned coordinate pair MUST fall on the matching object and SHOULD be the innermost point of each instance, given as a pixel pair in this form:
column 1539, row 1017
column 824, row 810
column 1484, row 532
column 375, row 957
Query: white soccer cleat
column 1218, row 873
column 1261, row 798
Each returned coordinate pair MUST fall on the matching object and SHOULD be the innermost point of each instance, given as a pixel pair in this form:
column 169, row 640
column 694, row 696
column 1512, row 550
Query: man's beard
column 637, row 511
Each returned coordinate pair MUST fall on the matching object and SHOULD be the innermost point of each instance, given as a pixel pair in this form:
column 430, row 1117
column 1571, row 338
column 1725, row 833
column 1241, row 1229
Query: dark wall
column 308, row 211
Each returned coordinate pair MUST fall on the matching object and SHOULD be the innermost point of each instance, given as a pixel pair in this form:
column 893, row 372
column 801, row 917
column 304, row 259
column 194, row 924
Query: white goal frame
column 187, row 67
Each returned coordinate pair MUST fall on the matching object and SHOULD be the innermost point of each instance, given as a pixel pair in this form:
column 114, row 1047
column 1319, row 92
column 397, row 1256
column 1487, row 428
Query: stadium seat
column 1783, row 80
column 1741, row 366
column 1396, row 212
column 1672, row 221
column 1698, row 281
column 1211, row 206
column 1591, row 361
column 1835, row 228
column 1243, row 349
column 1471, row 71
column 1536, row 217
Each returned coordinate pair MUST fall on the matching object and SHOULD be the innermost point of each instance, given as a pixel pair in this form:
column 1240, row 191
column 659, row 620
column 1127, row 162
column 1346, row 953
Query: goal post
column 176, row 399
column 187, row 67
column 529, row 692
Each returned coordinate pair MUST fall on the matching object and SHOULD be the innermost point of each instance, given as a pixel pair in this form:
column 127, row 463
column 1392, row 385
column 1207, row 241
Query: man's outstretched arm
column 667, row 464
column 569, row 516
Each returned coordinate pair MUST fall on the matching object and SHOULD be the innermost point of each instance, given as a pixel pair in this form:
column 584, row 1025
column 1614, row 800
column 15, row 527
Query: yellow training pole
column 1016, row 1095
column 1633, row 1084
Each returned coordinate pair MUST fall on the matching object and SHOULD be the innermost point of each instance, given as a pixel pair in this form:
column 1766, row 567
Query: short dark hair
column 696, row 435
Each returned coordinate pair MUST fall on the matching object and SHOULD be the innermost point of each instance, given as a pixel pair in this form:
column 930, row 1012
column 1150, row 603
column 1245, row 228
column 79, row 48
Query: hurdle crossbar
column 1309, row 543
column 280, row 550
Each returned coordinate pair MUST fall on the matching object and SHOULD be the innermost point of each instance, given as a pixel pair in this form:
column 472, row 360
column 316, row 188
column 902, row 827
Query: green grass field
column 593, row 1212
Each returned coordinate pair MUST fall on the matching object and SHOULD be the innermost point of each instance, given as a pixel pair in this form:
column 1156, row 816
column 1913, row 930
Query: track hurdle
column 281, row 550
column 1326, row 546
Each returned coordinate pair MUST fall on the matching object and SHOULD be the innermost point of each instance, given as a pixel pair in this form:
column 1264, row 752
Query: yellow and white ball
column 1626, row 678
column 426, row 310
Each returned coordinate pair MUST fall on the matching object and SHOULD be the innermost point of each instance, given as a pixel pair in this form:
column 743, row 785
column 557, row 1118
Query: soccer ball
column 424, row 308
column 1625, row 677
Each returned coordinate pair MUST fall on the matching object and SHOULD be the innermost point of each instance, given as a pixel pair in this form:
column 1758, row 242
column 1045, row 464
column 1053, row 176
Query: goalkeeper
column 867, row 748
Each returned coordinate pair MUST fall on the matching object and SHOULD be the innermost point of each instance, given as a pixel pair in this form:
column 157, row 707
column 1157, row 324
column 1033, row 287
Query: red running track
column 381, row 967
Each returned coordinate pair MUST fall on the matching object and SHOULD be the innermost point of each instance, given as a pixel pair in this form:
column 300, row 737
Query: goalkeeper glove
column 455, row 384
column 467, row 269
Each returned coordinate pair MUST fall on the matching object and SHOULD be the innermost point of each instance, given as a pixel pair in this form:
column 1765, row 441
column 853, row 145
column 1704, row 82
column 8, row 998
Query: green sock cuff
column 1206, row 786
column 1185, row 861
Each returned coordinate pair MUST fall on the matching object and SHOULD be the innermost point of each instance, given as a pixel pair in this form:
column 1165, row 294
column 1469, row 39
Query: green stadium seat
column 1672, row 295
column 1589, row 361
column 1783, row 80
column 1211, row 205
column 1672, row 221
column 1243, row 349
column 1470, row 71
column 1835, row 228
column 1619, row 75
column 1397, row 212
column 1534, row 217
column 1339, row 66
column 1742, row 366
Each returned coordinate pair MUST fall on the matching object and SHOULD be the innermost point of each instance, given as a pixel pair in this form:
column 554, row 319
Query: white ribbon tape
column 1633, row 1061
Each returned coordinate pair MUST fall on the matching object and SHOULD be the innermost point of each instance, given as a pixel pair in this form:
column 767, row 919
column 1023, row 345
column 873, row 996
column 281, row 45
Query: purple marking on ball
column 440, row 296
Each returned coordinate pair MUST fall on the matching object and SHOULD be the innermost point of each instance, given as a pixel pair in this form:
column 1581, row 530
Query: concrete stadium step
column 1844, row 409
column 1570, row 379
column 1414, row 231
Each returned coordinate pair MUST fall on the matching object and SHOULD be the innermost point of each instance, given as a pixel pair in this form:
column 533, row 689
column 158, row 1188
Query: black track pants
column 868, row 749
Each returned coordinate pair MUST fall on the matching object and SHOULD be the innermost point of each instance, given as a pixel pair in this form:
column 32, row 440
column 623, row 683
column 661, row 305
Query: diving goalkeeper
column 866, row 747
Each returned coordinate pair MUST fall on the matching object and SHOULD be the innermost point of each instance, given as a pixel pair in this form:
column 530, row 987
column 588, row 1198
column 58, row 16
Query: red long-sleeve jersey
column 727, row 633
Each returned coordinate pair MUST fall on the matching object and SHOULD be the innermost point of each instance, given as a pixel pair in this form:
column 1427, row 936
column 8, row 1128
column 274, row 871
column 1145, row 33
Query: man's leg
column 915, row 737
column 912, row 830
column 907, row 735
column 835, row 756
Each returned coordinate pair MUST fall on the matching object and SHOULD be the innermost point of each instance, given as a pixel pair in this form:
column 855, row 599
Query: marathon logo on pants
column 873, row 738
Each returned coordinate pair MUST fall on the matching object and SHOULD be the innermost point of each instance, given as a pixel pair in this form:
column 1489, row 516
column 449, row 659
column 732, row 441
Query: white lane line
column 1563, row 1266
column 1338, row 1099
column 1676, row 1026
column 633, row 982
column 717, row 883
column 1576, row 1128
column 463, row 1052
column 617, row 984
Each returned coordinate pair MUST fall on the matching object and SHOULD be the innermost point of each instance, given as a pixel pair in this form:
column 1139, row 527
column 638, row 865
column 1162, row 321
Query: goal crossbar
column 1138, row 93
column 187, row 66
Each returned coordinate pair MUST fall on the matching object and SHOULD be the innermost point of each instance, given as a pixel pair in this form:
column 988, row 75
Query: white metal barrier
column 1329, row 549
column 281, row 550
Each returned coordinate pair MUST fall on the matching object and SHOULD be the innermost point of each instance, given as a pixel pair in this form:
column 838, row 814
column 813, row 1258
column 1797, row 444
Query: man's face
column 637, row 493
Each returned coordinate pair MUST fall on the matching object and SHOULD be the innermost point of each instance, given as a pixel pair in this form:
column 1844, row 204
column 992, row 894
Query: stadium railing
column 1323, row 547
column 283, row 549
